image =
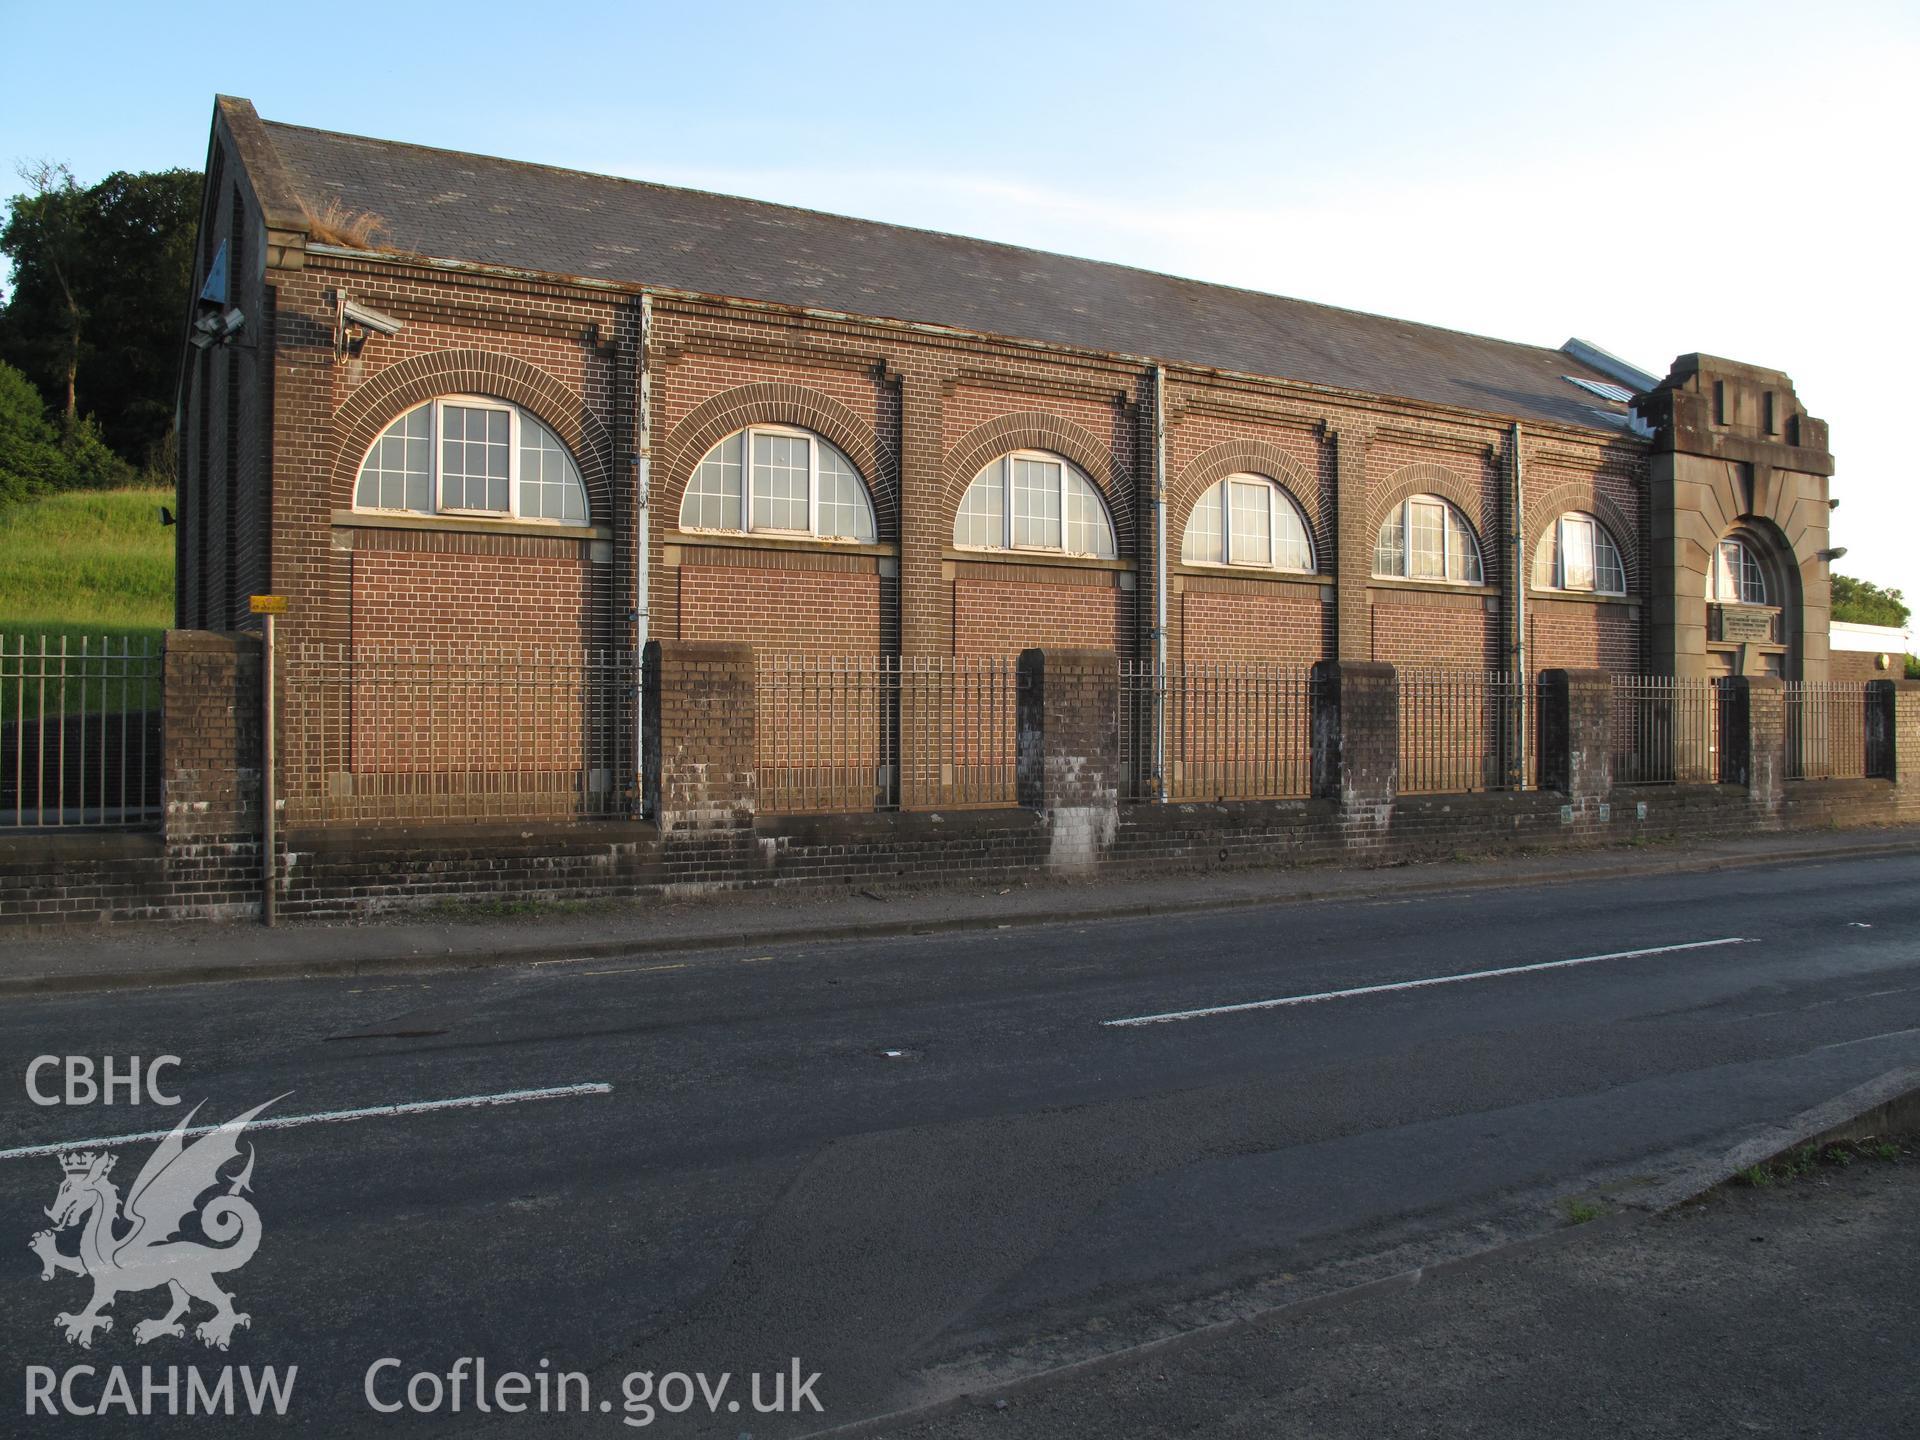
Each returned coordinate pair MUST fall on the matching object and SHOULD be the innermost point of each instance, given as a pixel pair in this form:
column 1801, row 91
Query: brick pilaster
column 1353, row 562
column 1069, row 759
column 699, row 735
column 1576, row 752
column 1356, row 733
column 1754, row 739
column 210, row 737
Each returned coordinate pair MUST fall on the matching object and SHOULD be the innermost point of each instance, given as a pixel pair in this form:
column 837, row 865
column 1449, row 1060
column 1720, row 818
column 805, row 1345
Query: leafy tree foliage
column 38, row 454
column 1864, row 603
column 100, row 277
column 30, row 459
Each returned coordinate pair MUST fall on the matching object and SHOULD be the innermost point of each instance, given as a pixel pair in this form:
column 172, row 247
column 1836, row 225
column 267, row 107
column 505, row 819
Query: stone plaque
column 1746, row 627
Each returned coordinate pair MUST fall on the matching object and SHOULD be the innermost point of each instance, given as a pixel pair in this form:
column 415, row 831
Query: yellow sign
column 267, row 604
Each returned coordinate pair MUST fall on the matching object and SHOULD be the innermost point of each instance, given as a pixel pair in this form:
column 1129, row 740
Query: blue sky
column 1736, row 179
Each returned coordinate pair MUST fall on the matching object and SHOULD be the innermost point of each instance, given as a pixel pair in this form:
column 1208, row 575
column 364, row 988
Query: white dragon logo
column 136, row 1250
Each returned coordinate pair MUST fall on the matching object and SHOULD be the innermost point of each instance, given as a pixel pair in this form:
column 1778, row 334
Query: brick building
column 460, row 407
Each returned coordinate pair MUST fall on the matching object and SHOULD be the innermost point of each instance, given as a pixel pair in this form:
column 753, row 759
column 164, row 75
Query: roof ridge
column 1003, row 245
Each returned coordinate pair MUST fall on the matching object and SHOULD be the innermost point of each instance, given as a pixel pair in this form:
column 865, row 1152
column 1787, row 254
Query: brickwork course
column 924, row 360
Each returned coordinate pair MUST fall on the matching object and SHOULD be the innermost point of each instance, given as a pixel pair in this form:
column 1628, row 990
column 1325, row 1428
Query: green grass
column 93, row 570
column 87, row 563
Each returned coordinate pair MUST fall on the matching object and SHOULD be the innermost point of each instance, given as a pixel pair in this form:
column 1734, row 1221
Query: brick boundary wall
column 203, row 862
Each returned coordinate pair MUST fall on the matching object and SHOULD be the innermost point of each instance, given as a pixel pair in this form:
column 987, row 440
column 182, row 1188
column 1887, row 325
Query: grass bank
column 87, row 563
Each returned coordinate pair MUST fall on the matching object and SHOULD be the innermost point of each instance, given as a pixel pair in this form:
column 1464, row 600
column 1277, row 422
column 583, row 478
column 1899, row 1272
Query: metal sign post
column 267, row 607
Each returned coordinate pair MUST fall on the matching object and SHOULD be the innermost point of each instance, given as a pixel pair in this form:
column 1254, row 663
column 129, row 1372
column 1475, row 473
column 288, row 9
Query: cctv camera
column 367, row 318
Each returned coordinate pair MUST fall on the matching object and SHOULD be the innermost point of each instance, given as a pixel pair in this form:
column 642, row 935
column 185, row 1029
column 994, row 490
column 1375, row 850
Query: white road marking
column 327, row 1117
column 1287, row 1000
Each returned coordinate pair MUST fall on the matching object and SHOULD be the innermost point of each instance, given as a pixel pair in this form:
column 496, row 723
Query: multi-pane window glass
column 472, row 457
column 775, row 480
column 1736, row 577
column 1577, row 553
column 982, row 521
column 1425, row 538
column 843, row 499
column 1247, row 520
column 476, row 458
column 398, row 473
column 1033, row 502
column 1390, row 547
column 550, row 486
column 1036, row 504
column 713, row 498
column 782, row 466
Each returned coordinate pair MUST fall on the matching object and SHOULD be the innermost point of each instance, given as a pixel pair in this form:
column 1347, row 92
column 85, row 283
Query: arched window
column 1577, row 553
column 1030, row 500
column 776, row 480
column 1247, row 520
column 466, row 455
column 1736, row 577
column 1425, row 538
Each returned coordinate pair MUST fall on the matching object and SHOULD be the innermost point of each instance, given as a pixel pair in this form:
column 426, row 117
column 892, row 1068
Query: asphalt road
column 767, row 1180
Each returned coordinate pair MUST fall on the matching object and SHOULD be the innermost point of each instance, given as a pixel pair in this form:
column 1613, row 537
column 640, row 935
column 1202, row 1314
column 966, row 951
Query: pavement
column 467, row 934
column 930, row 1166
column 1792, row 1309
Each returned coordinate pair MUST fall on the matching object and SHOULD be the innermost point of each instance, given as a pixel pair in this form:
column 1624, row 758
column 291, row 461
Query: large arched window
column 1425, row 538
column 776, row 480
column 468, row 455
column 1247, row 520
column 1031, row 500
column 1577, row 553
column 1736, row 577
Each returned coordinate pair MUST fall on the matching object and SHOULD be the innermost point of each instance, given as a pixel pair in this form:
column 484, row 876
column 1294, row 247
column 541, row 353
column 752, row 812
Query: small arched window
column 777, row 480
column 1247, row 520
column 1577, row 553
column 468, row 455
column 1736, row 577
column 1425, row 538
column 1031, row 500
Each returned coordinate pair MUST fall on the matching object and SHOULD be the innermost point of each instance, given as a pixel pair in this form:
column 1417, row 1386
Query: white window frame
column 437, row 438
column 1558, row 538
column 1004, row 465
column 1737, row 574
column 748, row 521
column 1447, row 512
column 1220, row 494
column 476, row 402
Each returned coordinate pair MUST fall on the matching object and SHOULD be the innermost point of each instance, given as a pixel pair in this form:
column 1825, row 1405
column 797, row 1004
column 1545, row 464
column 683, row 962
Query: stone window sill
column 469, row 525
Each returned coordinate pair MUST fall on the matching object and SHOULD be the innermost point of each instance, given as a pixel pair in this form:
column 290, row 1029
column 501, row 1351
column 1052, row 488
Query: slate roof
column 455, row 206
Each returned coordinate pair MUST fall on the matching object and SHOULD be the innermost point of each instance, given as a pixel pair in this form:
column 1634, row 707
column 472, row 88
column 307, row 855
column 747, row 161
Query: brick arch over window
column 393, row 392
column 1584, row 496
column 1036, row 430
column 1426, row 478
column 771, row 403
column 1249, row 457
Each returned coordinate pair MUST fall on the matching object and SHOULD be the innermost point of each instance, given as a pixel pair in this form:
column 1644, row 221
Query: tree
column 1864, row 603
column 100, row 279
column 30, row 458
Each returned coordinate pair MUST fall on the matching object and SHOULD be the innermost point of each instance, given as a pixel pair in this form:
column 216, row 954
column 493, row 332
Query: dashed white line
column 329, row 1117
column 1286, row 1000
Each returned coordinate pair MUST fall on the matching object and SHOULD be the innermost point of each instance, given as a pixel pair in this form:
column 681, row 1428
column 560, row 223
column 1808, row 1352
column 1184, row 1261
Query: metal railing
column 371, row 735
column 1826, row 724
column 1666, row 731
column 1460, row 731
column 885, row 732
column 1236, row 730
column 79, row 731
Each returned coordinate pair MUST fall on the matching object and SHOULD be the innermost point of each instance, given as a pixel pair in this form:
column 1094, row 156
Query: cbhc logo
column 82, row 1088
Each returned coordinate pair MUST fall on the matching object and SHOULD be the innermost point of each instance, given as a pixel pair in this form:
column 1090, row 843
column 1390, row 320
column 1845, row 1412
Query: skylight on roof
column 1605, row 389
